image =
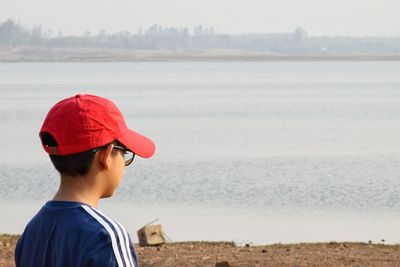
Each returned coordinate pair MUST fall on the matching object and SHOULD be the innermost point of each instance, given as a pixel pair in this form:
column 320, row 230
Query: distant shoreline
column 38, row 54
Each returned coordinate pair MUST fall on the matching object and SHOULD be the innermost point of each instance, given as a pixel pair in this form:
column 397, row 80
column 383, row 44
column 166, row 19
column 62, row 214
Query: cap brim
column 138, row 144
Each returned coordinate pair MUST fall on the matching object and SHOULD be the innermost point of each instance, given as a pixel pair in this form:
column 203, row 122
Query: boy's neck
column 78, row 189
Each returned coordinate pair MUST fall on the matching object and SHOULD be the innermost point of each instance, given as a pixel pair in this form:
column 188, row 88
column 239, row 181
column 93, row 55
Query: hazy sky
column 318, row 17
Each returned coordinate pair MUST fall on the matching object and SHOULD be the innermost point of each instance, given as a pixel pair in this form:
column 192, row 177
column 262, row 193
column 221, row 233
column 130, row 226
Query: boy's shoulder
column 83, row 229
column 65, row 216
column 75, row 219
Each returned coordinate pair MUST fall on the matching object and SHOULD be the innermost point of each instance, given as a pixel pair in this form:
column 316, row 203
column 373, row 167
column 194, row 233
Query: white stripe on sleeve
column 127, row 243
column 109, row 230
column 126, row 252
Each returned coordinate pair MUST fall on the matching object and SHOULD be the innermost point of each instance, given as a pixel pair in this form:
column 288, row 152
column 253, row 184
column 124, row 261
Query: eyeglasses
column 126, row 153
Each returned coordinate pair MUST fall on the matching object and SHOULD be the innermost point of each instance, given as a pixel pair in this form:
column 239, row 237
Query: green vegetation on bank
column 182, row 43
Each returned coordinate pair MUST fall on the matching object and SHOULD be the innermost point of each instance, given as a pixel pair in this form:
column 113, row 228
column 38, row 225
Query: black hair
column 71, row 165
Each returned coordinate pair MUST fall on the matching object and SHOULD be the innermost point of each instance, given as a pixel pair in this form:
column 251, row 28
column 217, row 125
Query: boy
column 89, row 144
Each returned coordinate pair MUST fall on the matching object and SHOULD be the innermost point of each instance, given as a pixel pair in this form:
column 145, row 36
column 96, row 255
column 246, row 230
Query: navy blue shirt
column 74, row 234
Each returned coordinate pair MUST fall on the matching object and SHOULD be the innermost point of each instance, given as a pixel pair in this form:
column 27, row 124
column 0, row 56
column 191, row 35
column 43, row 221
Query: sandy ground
column 224, row 254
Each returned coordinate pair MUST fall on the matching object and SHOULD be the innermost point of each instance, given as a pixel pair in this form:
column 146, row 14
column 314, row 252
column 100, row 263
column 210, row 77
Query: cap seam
column 83, row 121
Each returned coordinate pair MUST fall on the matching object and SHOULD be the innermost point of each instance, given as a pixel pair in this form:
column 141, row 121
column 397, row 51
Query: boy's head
column 78, row 127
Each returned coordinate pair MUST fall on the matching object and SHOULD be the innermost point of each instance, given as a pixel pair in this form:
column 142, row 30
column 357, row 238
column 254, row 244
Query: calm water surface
column 240, row 145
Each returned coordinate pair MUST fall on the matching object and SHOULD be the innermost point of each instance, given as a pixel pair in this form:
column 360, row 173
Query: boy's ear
column 104, row 157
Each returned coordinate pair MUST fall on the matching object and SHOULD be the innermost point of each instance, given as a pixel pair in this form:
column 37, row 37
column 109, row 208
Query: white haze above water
column 339, row 17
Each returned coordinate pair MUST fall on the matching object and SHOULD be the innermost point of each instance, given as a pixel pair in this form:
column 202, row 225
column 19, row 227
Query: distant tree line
column 199, row 38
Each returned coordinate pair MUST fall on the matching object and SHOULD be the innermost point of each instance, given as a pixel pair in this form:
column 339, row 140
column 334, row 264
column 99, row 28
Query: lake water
column 251, row 152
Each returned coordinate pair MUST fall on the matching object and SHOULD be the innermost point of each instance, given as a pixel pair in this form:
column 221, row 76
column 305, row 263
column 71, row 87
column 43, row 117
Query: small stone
column 222, row 264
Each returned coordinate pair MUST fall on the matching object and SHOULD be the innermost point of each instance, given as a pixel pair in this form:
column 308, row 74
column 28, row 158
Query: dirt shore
column 222, row 254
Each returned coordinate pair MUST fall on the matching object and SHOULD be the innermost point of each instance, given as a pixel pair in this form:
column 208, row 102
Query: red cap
column 85, row 122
